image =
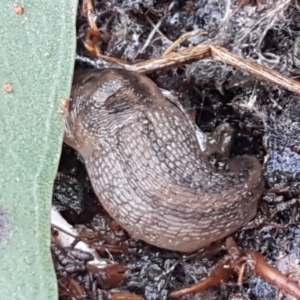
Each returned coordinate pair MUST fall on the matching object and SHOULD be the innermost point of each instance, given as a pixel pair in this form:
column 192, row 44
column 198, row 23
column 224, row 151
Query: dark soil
column 267, row 33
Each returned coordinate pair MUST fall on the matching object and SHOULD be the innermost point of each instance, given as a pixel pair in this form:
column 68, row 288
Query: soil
column 267, row 32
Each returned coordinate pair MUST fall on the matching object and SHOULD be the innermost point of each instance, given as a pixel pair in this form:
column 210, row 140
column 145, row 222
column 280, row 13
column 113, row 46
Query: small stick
column 222, row 273
column 173, row 59
column 179, row 41
column 270, row 274
column 192, row 54
column 87, row 5
column 235, row 263
column 153, row 25
column 150, row 36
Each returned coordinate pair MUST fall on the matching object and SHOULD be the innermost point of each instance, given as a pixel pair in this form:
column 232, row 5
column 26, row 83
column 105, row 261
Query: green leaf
column 36, row 60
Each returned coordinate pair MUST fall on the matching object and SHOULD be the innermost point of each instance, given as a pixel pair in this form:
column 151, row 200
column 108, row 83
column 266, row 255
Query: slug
column 147, row 168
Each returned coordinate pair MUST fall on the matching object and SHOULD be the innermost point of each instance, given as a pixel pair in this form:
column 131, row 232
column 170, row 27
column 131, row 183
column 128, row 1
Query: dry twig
column 176, row 59
column 236, row 264
column 221, row 274
column 179, row 41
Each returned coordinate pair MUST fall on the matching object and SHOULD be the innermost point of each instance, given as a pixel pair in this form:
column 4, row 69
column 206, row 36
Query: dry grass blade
column 182, row 39
column 154, row 30
column 173, row 59
column 261, row 72
column 176, row 59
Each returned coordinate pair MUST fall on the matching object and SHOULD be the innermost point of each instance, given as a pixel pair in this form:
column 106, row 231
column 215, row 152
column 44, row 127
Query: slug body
column 147, row 168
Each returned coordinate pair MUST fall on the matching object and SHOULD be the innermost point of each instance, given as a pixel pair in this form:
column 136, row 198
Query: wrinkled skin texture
column 146, row 166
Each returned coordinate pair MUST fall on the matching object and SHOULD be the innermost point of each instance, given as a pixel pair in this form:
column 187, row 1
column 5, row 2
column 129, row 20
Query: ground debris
column 267, row 33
